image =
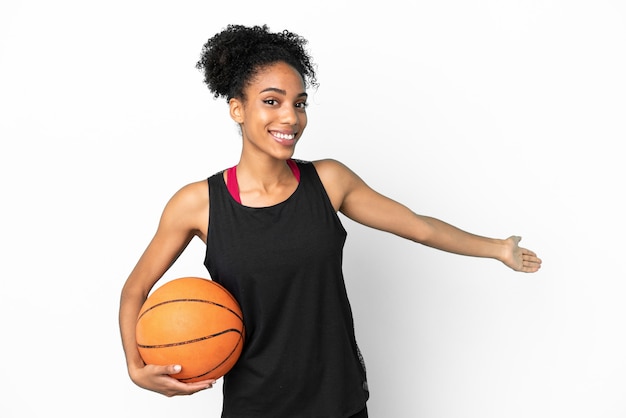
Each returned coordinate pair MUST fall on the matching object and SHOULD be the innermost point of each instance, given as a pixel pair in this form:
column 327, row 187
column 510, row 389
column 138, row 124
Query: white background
column 501, row 117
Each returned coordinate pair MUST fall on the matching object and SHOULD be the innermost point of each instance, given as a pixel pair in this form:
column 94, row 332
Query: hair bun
column 231, row 57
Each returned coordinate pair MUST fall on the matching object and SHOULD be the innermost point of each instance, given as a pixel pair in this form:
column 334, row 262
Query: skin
column 272, row 118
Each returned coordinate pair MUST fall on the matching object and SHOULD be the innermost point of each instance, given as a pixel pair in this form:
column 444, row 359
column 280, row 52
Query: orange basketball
column 193, row 322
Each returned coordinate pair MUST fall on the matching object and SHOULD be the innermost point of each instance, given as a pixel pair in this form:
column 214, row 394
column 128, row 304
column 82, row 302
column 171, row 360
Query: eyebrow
column 283, row 92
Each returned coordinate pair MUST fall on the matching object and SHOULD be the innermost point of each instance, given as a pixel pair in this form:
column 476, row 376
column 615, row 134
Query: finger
column 531, row 257
column 178, row 388
column 526, row 251
column 531, row 265
column 173, row 369
column 205, row 384
column 163, row 370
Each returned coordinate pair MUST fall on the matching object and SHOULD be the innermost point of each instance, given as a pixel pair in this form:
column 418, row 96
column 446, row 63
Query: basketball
column 193, row 322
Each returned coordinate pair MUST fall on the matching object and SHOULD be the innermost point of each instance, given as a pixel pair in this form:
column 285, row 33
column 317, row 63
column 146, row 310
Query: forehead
column 278, row 75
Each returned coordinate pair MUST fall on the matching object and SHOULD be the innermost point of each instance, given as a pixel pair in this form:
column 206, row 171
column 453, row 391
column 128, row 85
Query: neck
column 263, row 174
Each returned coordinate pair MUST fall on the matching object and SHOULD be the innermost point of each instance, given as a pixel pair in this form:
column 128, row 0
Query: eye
column 270, row 102
column 302, row 105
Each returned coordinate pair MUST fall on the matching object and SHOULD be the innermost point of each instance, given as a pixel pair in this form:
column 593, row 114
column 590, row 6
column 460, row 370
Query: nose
column 289, row 115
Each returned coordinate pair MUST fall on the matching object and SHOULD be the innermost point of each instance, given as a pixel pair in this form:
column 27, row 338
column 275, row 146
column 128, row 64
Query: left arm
column 355, row 199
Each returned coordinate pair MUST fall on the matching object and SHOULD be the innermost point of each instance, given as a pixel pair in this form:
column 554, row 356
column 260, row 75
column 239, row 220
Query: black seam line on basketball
column 223, row 361
column 191, row 300
column 195, row 340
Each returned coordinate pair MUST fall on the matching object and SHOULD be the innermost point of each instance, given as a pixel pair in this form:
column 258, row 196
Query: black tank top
column 283, row 264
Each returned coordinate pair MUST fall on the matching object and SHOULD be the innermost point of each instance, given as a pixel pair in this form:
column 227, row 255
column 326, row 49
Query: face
column 273, row 115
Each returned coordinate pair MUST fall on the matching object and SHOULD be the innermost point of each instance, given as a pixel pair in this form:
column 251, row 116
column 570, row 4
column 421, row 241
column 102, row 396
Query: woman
column 274, row 240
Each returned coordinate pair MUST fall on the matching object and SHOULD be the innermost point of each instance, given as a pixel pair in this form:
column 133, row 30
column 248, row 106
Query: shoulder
column 329, row 167
column 335, row 173
column 191, row 194
column 337, row 179
column 188, row 208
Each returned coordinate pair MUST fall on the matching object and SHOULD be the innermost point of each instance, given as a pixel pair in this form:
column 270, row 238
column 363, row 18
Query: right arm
column 184, row 216
column 351, row 196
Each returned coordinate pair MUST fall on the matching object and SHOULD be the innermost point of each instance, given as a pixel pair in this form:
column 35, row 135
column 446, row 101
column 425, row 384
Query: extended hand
column 519, row 258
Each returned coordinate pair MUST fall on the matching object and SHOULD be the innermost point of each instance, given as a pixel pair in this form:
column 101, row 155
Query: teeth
column 284, row 136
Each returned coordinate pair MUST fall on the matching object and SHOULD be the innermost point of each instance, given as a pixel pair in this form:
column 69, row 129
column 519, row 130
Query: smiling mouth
column 284, row 137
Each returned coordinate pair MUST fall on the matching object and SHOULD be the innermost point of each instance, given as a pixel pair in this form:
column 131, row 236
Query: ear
column 236, row 110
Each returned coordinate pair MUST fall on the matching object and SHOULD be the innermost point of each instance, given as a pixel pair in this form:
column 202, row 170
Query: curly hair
column 231, row 58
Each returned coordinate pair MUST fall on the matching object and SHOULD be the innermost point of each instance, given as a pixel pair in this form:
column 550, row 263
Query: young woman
column 274, row 240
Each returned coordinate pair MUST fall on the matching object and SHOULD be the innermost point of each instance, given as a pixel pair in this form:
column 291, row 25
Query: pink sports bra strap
column 294, row 169
column 233, row 185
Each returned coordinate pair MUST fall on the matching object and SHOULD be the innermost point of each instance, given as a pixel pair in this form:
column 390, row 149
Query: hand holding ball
column 193, row 322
